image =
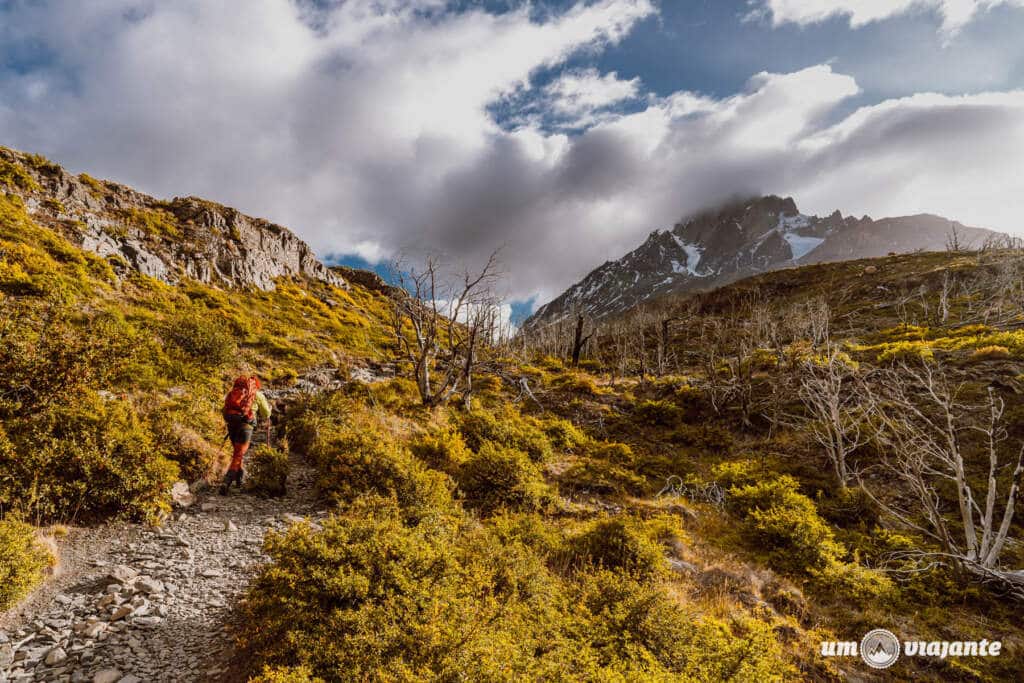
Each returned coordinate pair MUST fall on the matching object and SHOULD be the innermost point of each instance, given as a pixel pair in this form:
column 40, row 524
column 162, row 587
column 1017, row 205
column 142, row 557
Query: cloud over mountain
column 370, row 126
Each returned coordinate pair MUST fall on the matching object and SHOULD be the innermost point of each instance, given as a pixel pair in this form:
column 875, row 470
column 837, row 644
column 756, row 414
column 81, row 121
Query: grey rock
column 6, row 655
column 120, row 613
column 56, row 656
column 147, row 584
column 147, row 622
column 122, row 573
column 107, row 676
column 94, row 630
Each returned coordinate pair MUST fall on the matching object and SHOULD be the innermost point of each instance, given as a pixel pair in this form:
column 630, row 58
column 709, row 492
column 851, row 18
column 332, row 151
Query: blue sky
column 561, row 131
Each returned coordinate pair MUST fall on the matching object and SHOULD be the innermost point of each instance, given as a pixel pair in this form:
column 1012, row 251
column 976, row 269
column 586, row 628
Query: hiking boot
column 224, row 489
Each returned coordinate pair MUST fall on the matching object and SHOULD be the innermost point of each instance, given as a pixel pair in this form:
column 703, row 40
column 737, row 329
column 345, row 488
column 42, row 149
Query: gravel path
column 137, row 603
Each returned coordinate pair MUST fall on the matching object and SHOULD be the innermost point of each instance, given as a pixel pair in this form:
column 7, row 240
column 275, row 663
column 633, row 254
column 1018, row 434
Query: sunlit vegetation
column 710, row 492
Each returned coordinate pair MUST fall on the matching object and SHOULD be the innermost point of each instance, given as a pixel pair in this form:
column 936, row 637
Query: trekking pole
column 269, row 444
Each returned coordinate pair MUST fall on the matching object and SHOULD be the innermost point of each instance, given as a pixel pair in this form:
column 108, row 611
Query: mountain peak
column 736, row 239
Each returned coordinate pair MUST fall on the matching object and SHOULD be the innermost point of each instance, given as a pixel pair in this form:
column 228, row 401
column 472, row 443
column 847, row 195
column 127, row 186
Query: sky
column 560, row 131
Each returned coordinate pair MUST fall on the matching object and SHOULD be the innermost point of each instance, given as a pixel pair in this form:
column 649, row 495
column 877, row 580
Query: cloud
column 579, row 96
column 955, row 13
column 369, row 127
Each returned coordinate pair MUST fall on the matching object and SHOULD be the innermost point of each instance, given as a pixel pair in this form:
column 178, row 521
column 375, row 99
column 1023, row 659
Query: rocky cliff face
column 741, row 239
column 168, row 240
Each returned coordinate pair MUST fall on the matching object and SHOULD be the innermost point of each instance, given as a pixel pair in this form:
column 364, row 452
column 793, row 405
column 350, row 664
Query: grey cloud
column 378, row 137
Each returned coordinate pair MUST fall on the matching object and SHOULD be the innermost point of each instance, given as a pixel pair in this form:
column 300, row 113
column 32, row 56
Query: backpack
column 241, row 397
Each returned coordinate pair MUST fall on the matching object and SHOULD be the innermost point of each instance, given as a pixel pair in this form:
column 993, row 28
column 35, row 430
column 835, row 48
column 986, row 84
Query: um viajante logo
column 880, row 648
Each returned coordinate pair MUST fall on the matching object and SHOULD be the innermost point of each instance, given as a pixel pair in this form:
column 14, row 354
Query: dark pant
column 240, row 431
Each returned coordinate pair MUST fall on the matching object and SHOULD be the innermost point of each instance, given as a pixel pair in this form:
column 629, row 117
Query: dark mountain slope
column 741, row 239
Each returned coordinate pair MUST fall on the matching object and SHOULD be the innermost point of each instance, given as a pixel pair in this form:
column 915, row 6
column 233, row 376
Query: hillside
column 741, row 239
column 677, row 507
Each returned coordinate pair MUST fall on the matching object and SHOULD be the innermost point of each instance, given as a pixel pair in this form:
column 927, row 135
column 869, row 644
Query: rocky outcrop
column 167, row 240
column 737, row 240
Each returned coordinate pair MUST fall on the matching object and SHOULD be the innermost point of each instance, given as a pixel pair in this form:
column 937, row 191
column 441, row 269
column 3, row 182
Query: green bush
column 618, row 544
column 738, row 473
column 354, row 460
column 267, row 470
column 395, row 602
column 613, row 452
column 23, row 561
column 203, row 336
column 782, row 519
column 602, row 476
column 849, row 507
column 778, row 517
column 704, row 437
column 286, row 674
column 507, row 427
column 429, row 602
column 52, row 355
column 564, row 435
column 657, row 414
column 502, row 477
column 577, row 383
column 442, row 448
column 638, row 630
column 91, row 457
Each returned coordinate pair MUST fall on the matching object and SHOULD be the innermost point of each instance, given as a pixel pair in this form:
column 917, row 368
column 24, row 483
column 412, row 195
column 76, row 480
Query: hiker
column 244, row 406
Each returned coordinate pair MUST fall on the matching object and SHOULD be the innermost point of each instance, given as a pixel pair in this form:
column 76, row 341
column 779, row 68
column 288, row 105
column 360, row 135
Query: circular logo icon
column 880, row 648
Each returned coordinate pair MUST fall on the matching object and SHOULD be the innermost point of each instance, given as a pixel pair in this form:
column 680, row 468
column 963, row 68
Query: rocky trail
column 137, row 603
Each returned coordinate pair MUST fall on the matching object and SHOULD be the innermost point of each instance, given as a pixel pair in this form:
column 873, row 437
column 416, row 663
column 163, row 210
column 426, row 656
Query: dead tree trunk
column 579, row 339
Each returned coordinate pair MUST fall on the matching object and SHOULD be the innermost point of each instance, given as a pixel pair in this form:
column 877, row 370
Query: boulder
column 122, row 573
column 107, row 676
column 181, row 495
column 56, row 656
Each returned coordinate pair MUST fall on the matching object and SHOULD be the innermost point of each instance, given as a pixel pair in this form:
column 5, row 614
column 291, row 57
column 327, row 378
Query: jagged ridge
column 741, row 239
column 185, row 237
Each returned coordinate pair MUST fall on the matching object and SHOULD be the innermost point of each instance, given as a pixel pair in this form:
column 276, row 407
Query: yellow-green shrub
column 267, row 470
column 394, row 602
column 505, row 426
column 618, row 544
column 657, row 413
column 613, row 452
column 578, row 383
column 905, row 350
column 642, row 633
column 564, row 435
column 353, row 461
column 502, row 477
column 601, row 476
column 990, row 353
column 441, row 448
column 779, row 518
column 203, row 336
column 92, row 456
column 704, row 437
column 286, row 674
column 23, row 561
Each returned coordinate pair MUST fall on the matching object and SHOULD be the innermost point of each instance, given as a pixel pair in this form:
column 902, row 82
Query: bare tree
column 440, row 322
column 954, row 243
column 836, row 415
column 579, row 338
column 927, row 430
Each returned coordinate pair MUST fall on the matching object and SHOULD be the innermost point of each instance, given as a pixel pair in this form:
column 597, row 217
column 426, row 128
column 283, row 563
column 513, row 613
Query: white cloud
column 369, row 128
column 955, row 13
column 579, row 95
